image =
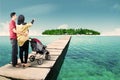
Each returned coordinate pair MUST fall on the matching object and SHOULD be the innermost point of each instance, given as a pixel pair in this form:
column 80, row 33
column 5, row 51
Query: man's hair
column 12, row 14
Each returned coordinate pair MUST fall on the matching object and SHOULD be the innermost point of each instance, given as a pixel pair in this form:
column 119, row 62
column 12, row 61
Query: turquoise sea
column 88, row 57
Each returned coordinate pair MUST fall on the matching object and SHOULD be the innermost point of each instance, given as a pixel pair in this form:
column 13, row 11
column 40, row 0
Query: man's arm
column 14, row 27
column 14, row 30
column 17, row 32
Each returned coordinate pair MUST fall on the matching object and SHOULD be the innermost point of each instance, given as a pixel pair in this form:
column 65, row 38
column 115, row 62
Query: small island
column 70, row 32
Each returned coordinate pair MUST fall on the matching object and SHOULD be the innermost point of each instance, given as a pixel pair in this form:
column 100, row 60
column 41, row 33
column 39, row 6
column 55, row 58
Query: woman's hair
column 21, row 19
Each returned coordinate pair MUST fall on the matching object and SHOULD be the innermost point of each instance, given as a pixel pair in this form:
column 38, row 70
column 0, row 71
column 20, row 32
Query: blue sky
column 100, row 15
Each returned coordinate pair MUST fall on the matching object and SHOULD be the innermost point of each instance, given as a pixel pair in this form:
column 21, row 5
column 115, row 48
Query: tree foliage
column 70, row 32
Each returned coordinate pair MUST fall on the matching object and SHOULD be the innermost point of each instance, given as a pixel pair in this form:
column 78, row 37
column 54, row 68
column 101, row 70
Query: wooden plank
column 37, row 72
column 20, row 73
column 3, row 78
column 47, row 64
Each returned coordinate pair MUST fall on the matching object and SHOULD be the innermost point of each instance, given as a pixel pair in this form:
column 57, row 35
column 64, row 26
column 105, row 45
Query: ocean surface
column 88, row 57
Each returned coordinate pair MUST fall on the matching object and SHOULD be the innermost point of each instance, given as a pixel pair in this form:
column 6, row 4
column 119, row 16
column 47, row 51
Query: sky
column 99, row 15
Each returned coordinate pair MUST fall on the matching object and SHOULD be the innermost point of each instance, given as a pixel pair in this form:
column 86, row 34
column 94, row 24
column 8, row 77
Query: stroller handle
column 30, row 39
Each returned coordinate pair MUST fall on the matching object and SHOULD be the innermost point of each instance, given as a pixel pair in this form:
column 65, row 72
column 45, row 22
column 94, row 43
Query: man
column 13, row 38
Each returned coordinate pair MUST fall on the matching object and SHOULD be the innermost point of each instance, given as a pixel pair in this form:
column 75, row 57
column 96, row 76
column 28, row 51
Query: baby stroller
column 40, row 51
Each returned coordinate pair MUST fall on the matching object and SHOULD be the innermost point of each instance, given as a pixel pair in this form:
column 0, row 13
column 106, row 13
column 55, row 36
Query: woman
column 23, row 38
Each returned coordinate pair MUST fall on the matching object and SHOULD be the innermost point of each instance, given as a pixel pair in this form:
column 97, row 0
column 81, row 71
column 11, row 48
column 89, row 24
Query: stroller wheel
column 32, row 58
column 40, row 61
column 47, row 57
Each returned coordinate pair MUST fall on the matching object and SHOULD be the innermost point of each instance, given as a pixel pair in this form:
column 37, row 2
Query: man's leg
column 14, row 52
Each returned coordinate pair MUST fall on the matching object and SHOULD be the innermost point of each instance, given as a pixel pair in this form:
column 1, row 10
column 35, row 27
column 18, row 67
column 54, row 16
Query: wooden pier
column 49, row 70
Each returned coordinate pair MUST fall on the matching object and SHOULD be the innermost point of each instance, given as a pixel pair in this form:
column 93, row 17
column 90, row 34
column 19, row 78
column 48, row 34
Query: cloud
column 116, row 6
column 37, row 9
column 34, row 32
column 115, row 32
column 93, row 0
column 4, row 28
column 64, row 26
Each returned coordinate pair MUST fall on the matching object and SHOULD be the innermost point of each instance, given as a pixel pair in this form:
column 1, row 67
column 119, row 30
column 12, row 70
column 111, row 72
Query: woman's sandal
column 26, row 65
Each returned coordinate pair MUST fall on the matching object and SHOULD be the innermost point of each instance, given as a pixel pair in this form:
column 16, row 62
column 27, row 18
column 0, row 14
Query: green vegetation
column 70, row 32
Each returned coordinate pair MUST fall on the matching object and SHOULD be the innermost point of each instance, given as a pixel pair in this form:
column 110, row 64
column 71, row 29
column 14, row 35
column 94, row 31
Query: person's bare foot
column 21, row 64
column 17, row 66
column 27, row 65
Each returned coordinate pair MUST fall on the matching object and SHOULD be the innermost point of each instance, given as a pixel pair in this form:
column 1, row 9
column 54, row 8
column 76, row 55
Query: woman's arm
column 26, row 26
column 26, row 33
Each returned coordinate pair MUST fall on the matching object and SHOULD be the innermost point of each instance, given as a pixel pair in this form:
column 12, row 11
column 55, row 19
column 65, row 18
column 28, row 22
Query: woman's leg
column 26, row 50
column 21, row 54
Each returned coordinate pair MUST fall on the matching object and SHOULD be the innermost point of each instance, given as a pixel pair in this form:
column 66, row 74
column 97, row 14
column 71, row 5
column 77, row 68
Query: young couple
column 19, row 36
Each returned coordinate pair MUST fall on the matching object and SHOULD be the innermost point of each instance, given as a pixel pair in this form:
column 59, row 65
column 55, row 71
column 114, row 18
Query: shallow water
column 88, row 57
column 92, row 58
column 5, row 47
